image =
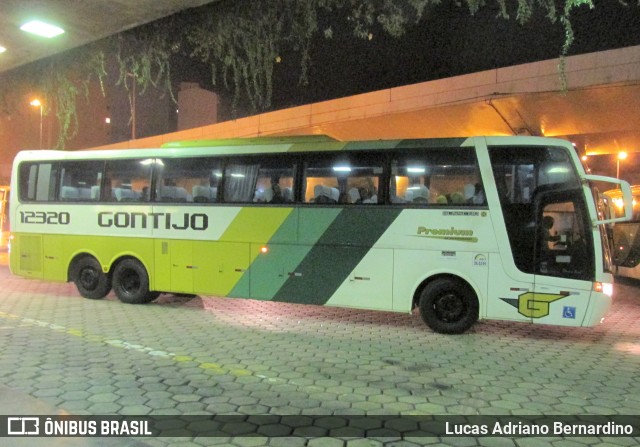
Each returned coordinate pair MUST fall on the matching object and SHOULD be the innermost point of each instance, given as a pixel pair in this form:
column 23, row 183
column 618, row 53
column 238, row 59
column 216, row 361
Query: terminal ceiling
column 601, row 119
column 84, row 21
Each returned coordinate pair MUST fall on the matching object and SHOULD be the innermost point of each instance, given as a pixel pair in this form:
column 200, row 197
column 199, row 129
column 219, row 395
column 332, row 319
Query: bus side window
column 436, row 177
column 80, row 180
column 188, row 180
column 38, row 182
column 240, row 179
column 275, row 181
column 343, row 179
column 126, row 180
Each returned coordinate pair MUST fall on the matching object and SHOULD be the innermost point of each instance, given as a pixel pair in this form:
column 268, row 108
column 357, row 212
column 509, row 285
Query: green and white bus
column 485, row 227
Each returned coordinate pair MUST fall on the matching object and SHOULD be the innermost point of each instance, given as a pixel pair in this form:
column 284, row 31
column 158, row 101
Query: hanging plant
column 242, row 41
column 143, row 56
column 57, row 82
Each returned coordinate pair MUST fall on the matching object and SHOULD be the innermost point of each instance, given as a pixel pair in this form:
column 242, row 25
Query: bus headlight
column 603, row 287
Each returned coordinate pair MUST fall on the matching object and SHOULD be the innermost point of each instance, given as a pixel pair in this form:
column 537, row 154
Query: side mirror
column 627, row 198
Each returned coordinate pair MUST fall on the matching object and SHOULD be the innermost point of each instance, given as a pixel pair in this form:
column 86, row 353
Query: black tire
column 131, row 283
column 89, row 278
column 448, row 306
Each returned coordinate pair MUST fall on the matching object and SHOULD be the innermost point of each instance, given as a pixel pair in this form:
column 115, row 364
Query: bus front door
column 563, row 260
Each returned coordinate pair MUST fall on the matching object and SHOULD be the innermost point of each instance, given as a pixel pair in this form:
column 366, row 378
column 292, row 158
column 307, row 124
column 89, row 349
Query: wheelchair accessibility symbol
column 569, row 312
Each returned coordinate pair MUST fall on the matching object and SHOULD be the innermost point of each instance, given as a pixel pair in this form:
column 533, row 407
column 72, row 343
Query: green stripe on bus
column 268, row 271
column 347, row 240
column 256, row 225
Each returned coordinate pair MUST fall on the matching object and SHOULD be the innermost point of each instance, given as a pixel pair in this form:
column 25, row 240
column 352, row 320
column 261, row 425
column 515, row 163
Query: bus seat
column 124, row 194
column 420, row 193
column 334, row 194
column 408, row 196
column 84, row 193
column 181, row 194
column 268, row 194
column 167, row 193
column 468, row 192
column 318, row 191
column 69, row 193
column 323, row 194
column 95, row 192
column 354, row 195
column 287, row 194
column 202, row 193
column 372, row 199
column 263, row 195
column 457, row 198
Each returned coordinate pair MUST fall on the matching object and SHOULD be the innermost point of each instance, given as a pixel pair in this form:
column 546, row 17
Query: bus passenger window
column 38, row 182
column 436, row 177
column 275, row 181
column 240, row 182
column 80, row 180
column 125, row 180
column 345, row 180
column 188, row 180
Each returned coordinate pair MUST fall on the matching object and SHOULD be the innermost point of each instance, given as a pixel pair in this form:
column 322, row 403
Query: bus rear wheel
column 90, row 280
column 448, row 306
column 131, row 283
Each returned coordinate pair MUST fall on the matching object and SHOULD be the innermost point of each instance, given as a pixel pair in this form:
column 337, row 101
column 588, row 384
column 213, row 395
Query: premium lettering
column 444, row 232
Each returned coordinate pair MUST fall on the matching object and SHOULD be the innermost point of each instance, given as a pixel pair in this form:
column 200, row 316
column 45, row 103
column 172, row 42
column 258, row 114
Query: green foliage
column 143, row 57
column 57, row 82
column 241, row 41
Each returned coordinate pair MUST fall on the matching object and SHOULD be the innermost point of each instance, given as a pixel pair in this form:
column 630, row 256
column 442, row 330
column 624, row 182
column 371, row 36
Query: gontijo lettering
column 167, row 221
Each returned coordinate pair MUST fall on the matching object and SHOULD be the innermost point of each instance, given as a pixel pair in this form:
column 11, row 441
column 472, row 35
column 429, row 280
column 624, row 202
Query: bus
column 461, row 229
column 626, row 235
column 4, row 217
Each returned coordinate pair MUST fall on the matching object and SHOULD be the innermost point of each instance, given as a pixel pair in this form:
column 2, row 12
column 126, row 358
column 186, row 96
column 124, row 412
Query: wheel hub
column 449, row 307
column 89, row 278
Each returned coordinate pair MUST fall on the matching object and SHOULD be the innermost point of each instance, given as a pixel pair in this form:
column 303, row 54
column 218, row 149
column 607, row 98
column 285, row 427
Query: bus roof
column 271, row 145
column 296, row 139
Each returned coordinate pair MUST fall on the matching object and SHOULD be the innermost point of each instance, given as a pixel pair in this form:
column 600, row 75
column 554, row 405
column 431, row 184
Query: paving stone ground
column 62, row 354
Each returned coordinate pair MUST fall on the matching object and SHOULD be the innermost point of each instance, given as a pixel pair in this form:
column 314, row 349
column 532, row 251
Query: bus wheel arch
column 448, row 304
column 130, row 280
column 86, row 272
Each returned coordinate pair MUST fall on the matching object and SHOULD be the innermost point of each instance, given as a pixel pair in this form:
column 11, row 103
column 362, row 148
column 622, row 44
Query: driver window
column 562, row 243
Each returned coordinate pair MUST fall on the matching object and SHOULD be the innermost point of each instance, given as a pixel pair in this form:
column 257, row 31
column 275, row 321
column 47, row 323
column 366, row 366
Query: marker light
column 42, row 29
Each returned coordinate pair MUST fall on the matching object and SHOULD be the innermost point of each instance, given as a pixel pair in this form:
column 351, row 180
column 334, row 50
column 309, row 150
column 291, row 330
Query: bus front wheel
column 131, row 283
column 448, row 306
column 89, row 278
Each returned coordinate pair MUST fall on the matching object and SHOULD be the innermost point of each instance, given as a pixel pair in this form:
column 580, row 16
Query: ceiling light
column 41, row 29
column 342, row 169
column 2, row 49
